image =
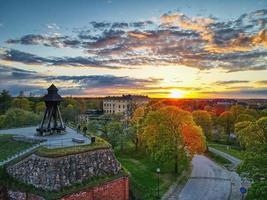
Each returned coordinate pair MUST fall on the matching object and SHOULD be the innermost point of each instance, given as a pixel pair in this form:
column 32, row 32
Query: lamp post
column 158, row 171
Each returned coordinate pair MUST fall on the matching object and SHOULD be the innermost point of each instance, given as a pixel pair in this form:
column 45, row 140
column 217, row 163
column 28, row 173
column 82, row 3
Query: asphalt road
column 208, row 181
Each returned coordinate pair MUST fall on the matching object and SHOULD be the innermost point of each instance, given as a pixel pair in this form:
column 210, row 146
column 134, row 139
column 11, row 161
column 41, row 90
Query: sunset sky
column 163, row 48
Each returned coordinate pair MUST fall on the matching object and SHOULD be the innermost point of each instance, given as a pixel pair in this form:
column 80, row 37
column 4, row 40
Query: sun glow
column 176, row 94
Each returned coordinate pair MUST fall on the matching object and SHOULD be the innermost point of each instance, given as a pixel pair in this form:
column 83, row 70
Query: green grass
column 58, row 152
column 218, row 159
column 231, row 150
column 9, row 147
column 143, row 176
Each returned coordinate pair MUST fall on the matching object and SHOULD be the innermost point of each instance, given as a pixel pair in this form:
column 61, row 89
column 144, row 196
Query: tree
column 249, row 134
column 245, row 117
column 40, row 107
column 254, row 166
column 21, row 103
column 252, row 112
column 203, row 119
column 194, row 139
column 237, row 110
column 16, row 117
column 136, row 126
column 227, row 120
column 70, row 113
column 116, row 134
column 163, row 134
column 5, row 101
column 262, row 122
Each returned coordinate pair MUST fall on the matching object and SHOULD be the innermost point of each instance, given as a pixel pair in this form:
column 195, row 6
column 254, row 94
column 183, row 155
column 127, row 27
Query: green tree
column 70, row 113
column 236, row 110
column 245, row 117
column 227, row 120
column 262, row 122
column 5, row 101
column 255, row 167
column 16, row 117
column 40, row 107
column 203, row 119
column 252, row 112
column 116, row 134
column 21, row 103
column 249, row 134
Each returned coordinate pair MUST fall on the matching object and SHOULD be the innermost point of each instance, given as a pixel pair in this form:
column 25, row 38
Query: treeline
column 27, row 111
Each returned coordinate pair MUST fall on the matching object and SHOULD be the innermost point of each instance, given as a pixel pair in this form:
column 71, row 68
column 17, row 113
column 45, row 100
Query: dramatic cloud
column 174, row 39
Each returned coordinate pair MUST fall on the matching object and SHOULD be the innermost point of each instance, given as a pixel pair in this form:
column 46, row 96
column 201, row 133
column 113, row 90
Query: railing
column 19, row 154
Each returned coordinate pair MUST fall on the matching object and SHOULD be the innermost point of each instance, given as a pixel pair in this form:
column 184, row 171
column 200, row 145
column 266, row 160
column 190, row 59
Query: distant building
column 124, row 104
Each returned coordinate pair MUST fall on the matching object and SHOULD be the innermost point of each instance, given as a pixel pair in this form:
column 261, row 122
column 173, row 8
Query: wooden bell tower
column 52, row 121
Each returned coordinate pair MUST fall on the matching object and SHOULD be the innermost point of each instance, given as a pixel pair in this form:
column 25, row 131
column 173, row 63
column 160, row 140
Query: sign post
column 243, row 190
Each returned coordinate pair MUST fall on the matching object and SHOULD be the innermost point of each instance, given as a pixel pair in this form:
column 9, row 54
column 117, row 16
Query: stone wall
column 113, row 190
column 56, row 173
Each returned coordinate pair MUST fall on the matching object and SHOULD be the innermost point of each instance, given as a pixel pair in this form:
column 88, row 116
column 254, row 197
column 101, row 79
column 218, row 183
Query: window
column 119, row 106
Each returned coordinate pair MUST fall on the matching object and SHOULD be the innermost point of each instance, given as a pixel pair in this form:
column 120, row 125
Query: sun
column 176, row 94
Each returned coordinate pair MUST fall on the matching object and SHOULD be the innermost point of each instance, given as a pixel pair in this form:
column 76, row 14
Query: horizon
column 162, row 49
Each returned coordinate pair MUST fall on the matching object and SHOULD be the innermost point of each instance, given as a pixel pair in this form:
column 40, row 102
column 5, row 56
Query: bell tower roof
column 52, row 94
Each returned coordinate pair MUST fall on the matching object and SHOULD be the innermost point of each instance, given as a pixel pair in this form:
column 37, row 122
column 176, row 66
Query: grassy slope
column 8, row 147
column 143, row 176
column 232, row 150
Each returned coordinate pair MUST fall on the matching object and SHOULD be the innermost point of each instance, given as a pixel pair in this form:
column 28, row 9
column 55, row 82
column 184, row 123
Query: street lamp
column 158, row 171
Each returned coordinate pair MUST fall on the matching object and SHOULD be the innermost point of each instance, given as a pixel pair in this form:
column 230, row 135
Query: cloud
column 231, row 82
column 27, row 58
column 45, row 40
column 175, row 39
column 34, row 82
column 262, row 82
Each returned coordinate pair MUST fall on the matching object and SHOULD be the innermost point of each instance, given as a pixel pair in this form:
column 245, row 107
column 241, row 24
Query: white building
column 124, row 104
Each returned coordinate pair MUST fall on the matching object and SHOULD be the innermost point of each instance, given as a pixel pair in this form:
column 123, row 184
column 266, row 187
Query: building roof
column 126, row 97
column 52, row 94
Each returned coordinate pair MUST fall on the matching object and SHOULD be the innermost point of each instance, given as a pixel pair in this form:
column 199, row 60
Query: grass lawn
column 143, row 176
column 231, row 150
column 9, row 147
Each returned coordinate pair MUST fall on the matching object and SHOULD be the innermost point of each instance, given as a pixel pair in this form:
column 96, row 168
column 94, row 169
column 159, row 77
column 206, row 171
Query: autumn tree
column 163, row 135
column 203, row 119
column 227, row 120
column 194, row 139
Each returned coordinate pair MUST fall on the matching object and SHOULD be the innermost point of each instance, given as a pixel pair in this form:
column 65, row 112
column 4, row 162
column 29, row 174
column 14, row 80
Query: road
column 235, row 161
column 208, row 181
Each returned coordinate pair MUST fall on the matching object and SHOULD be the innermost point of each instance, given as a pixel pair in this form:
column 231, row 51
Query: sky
column 170, row 48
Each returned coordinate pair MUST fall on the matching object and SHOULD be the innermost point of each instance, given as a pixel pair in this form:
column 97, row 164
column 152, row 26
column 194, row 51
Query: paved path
column 232, row 159
column 208, row 181
column 52, row 141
